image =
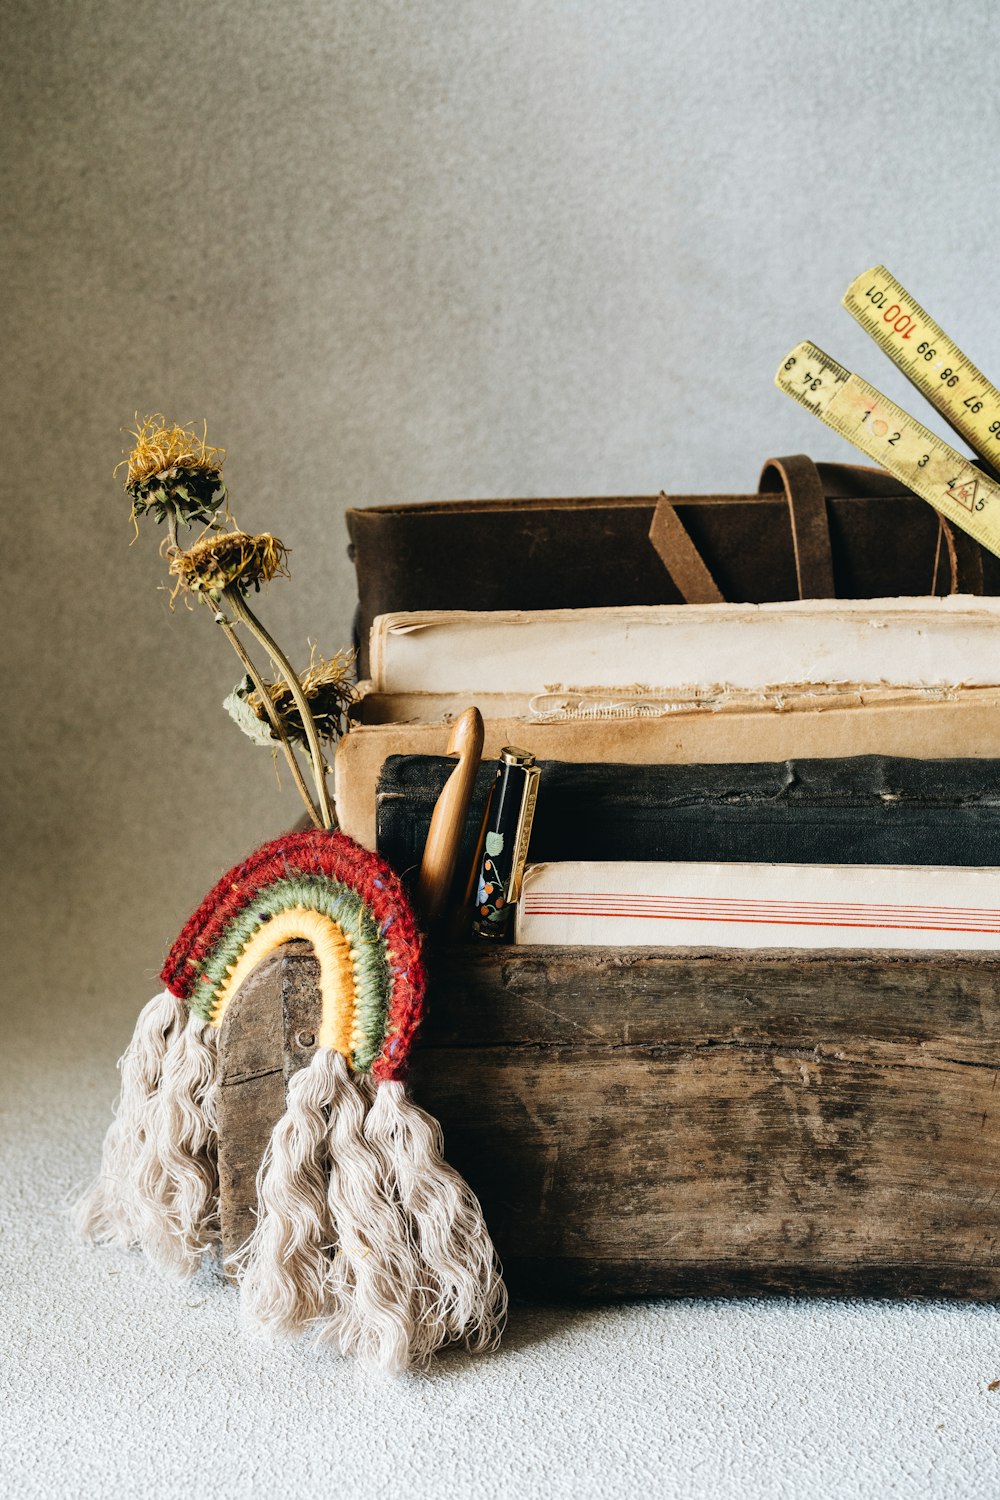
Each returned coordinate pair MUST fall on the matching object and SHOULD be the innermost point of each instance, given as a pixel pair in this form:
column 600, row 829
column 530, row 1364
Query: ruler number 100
column 901, row 322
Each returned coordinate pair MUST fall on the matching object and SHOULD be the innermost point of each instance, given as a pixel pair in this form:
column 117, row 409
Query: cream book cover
column 687, row 905
column 669, row 649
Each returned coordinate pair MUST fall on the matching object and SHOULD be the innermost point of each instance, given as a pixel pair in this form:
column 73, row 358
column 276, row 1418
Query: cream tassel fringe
column 456, row 1251
column 109, row 1211
column 360, row 1171
column 282, row 1269
column 178, row 1172
column 350, row 1169
column 381, row 1308
column 158, row 1183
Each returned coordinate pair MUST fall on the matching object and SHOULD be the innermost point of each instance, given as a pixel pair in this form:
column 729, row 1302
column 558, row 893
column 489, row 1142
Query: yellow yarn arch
column 336, row 971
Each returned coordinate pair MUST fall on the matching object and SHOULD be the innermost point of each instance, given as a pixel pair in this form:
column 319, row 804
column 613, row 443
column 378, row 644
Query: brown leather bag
column 812, row 531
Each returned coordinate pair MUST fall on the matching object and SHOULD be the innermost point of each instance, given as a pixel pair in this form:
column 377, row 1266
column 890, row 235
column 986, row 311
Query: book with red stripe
column 760, row 905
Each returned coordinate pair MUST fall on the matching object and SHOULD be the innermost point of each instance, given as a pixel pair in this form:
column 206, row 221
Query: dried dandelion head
column 330, row 691
column 229, row 558
column 171, row 471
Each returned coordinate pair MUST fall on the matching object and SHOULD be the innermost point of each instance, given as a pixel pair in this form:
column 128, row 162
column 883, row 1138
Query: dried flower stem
column 272, row 715
column 245, row 615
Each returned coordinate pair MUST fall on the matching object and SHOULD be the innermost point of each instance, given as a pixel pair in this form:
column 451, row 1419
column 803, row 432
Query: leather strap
column 681, row 558
column 800, row 480
column 965, row 558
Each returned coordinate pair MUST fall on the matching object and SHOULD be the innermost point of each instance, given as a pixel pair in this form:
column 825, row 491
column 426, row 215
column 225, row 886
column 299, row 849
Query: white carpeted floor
column 113, row 1382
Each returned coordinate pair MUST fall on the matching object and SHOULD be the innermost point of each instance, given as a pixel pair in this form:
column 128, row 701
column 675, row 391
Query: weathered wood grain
column 653, row 1122
column 251, row 1094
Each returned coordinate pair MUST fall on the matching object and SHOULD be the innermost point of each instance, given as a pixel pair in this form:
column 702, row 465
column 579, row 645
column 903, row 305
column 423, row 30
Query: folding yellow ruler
column 884, row 432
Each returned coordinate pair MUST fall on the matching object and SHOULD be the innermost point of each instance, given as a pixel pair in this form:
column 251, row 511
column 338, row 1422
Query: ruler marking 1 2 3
column 917, row 457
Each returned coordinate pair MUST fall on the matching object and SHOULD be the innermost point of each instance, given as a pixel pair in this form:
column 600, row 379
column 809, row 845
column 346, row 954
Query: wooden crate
column 647, row 1121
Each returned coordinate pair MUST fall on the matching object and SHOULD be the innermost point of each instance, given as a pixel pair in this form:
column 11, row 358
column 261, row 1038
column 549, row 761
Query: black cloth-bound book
column 868, row 809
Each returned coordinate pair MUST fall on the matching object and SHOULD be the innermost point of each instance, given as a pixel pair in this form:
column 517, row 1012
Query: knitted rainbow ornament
column 364, row 1233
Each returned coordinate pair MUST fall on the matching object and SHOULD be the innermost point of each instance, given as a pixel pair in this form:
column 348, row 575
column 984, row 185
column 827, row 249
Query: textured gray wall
column 398, row 252
column 403, row 252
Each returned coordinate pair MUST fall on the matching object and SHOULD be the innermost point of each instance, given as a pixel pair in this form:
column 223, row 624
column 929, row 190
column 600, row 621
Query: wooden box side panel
column 655, row 1122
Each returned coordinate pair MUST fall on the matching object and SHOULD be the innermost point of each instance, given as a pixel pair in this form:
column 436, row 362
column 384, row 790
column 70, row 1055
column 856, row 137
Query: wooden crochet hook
column 444, row 837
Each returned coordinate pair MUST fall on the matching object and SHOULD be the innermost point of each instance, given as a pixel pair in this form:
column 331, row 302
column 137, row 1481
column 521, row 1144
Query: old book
column 685, row 904
column 716, row 683
column 664, row 653
column 856, row 810
column 962, row 723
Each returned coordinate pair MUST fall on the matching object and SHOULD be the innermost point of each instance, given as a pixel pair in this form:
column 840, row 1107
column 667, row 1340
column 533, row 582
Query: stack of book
column 804, row 773
column 650, row 1083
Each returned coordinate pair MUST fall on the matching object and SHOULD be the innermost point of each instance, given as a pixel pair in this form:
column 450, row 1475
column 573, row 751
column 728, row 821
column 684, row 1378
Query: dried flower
column 330, row 691
column 172, row 472
column 229, row 558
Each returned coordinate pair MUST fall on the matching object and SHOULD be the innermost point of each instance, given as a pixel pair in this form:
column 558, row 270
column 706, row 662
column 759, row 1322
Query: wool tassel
column 456, row 1253
column 380, row 1309
column 111, row 1210
column 177, row 1171
column 158, row 1183
column 282, row 1269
